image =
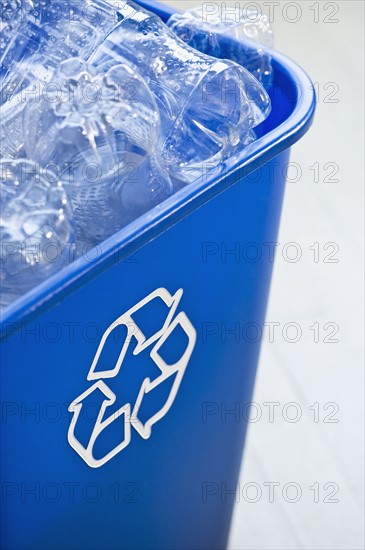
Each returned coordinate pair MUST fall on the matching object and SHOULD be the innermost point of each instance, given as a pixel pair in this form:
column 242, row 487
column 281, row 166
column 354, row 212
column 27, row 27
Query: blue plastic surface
column 166, row 491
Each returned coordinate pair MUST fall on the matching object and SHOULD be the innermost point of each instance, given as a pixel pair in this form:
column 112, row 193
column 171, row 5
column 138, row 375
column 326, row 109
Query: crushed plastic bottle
column 11, row 130
column 229, row 31
column 208, row 107
column 86, row 107
column 46, row 34
column 36, row 227
column 99, row 131
column 36, row 36
column 13, row 13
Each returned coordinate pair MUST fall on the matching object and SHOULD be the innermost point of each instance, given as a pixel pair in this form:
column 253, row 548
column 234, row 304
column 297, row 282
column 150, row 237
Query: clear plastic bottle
column 36, row 36
column 44, row 34
column 13, row 13
column 99, row 131
column 208, row 107
column 229, row 31
column 36, row 227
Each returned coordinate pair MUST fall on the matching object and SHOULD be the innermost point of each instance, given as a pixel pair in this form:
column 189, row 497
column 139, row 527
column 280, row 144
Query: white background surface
column 308, row 292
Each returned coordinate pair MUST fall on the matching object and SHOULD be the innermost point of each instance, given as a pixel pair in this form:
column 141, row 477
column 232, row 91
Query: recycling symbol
column 169, row 375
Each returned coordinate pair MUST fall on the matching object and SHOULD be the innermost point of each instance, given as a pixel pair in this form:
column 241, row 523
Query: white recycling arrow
column 87, row 452
column 134, row 330
column 177, row 370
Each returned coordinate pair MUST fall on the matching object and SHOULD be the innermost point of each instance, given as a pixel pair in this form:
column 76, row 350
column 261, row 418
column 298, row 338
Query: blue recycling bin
column 125, row 378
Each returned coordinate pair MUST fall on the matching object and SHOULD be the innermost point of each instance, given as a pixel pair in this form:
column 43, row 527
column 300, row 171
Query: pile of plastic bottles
column 105, row 113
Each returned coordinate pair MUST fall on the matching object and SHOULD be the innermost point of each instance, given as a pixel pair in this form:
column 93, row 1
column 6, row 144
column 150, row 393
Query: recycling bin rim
column 179, row 205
